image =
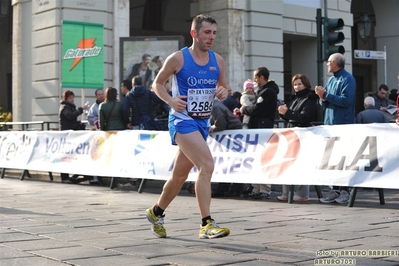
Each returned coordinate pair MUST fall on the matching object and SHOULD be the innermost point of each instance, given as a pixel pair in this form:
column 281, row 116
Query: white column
column 17, row 61
column 230, row 37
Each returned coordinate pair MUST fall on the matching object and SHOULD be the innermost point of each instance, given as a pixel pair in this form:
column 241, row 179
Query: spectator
column 370, row 114
column 262, row 116
column 141, row 69
column 126, row 87
column 338, row 99
column 111, row 112
column 393, row 96
column 68, row 114
column 263, row 112
column 248, row 98
column 158, row 60
column 92, row 116
column 301, row 111
column 68, row 120
column 138, row 102
column 223, row 119
column 380, row 98
column 232, row 101
column 303, row 108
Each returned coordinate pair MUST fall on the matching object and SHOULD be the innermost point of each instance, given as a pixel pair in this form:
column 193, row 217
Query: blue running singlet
column 198, row 83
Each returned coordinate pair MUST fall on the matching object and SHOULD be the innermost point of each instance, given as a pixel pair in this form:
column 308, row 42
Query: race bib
column 200, row 102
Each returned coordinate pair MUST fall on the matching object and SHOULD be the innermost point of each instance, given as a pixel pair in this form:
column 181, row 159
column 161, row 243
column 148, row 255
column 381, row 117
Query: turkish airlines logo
column 85, row 48
column 280, row 153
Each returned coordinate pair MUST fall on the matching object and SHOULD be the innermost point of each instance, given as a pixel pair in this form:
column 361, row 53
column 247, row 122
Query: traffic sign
column 366, row 54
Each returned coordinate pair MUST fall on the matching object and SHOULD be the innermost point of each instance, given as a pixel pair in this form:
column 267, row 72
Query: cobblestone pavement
column 50, row 223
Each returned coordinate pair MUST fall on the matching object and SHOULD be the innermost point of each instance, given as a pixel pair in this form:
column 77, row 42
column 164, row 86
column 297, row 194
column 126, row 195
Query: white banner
column 343, row 155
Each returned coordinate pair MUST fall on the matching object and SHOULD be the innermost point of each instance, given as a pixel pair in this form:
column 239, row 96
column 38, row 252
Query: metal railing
column 25, row 126
column 42, row 125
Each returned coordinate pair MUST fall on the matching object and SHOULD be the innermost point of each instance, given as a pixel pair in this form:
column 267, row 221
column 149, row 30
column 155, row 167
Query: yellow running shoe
column 212, row 230
column 157, row 223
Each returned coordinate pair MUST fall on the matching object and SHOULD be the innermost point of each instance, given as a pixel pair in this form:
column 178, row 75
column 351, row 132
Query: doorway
column 362, row 74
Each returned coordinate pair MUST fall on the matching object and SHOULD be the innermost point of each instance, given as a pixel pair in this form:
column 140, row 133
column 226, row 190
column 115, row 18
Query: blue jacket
column 138, row 101
column 371, row 115
column 231, row 103
column 340, row 99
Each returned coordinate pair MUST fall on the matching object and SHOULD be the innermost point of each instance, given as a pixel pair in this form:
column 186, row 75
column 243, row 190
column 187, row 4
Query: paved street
column 50, row 223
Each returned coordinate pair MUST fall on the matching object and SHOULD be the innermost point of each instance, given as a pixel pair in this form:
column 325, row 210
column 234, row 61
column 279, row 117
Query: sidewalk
column 50, row 223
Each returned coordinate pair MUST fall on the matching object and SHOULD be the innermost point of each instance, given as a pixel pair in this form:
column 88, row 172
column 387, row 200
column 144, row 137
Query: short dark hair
column 66, row 94
column 393, row 95
column 144, row 57
column 262, row 71
column 110, row 94
column 127, row 83
column 237, row 95
column 95, row 93
column 197, row 21
column 383, row 87
column 137, row 80
column 155, row 59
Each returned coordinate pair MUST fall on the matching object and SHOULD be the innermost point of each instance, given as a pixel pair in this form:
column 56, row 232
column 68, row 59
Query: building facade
column 278, row 34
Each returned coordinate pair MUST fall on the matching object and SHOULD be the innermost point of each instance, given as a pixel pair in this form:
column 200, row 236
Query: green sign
column 82, row 55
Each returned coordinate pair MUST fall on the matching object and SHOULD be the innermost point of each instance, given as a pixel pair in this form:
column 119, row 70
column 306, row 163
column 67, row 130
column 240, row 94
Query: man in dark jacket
column 138, row 102
column 380, row 98
column 264, row 111
column 143, row 70
column 262, row 115
column 371, row 114
column 233, row 101
column 222, row 118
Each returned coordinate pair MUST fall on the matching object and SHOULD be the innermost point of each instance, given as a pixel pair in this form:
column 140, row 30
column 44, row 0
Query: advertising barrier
column 342, row 155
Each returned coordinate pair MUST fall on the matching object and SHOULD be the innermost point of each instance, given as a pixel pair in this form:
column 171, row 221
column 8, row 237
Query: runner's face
column 206, row 36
